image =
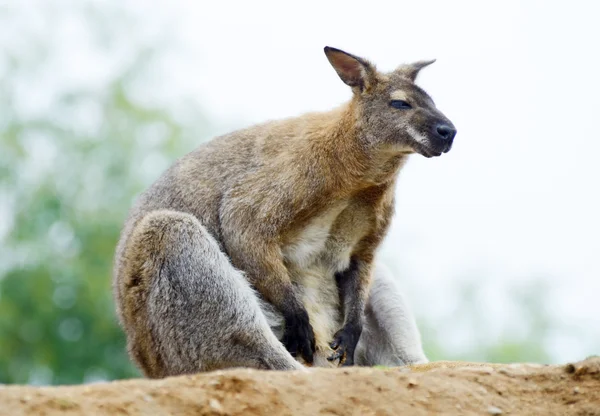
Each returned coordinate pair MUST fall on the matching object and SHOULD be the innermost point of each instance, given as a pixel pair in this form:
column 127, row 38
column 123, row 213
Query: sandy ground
column 447, row 388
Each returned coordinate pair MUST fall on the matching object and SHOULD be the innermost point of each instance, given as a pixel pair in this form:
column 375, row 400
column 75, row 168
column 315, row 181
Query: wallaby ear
column 354, row 71
column 413, row 69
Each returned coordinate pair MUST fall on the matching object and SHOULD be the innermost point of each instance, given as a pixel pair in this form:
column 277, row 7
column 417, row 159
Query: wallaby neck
column 346, row 154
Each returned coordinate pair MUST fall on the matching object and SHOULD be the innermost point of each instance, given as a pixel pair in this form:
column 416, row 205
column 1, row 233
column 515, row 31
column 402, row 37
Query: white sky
column 515, row 199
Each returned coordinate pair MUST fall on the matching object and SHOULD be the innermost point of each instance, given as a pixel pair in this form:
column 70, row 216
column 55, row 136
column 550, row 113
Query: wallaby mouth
column 429, row 152
column 432, row 150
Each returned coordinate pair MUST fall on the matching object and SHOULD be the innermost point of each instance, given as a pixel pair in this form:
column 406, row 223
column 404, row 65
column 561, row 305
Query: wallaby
column 257, row 249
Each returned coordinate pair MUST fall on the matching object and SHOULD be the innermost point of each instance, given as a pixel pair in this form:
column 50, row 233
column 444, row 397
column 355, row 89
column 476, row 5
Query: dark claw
column 308, row 350
column 337, row 355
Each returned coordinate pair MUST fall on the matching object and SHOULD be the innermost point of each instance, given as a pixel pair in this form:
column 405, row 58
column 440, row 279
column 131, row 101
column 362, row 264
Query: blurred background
column 496, row 244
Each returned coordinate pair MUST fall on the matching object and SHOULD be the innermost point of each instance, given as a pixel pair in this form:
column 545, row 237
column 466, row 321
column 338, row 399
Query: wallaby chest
column 325, row 243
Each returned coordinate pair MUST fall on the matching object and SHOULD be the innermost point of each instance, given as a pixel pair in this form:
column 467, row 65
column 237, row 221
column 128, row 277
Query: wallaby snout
column 431, row 136
column 440, row 139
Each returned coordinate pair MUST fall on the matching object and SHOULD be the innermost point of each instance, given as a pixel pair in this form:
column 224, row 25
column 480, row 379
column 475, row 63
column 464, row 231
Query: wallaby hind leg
column 390, row 335
column 185, row 308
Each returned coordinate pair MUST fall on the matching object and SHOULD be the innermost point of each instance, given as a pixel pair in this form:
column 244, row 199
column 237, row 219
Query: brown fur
column 257, row 190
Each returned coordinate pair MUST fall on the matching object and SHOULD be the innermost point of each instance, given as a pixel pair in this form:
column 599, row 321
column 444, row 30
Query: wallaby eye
column 400, row 105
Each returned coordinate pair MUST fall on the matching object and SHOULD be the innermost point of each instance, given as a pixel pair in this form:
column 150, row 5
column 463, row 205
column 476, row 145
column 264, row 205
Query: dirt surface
column 447, row 388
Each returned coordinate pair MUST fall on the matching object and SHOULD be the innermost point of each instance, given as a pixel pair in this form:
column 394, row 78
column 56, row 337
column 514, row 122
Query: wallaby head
column 393, row 114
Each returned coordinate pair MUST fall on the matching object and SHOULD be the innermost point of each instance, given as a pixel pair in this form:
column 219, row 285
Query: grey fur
column 203, row 315
column 201, row 312
column 277, row 224
column 390, row 336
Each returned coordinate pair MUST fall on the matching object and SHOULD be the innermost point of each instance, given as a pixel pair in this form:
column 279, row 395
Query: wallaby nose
column 446, row 132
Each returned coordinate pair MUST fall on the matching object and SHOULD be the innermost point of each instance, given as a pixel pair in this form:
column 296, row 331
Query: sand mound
column 447, row 388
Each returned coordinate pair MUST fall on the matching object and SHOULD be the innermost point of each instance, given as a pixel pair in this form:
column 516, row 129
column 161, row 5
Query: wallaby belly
column 313, row 256
column 318, row 292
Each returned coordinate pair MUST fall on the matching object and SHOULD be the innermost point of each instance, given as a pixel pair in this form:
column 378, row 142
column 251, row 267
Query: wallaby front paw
column 299, row 338
column 344, row 344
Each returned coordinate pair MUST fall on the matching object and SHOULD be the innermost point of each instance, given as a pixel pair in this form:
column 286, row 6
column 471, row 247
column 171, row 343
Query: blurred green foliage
column 524, row 339
column 67, row 179
column 69, row 173
column 56, row 310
